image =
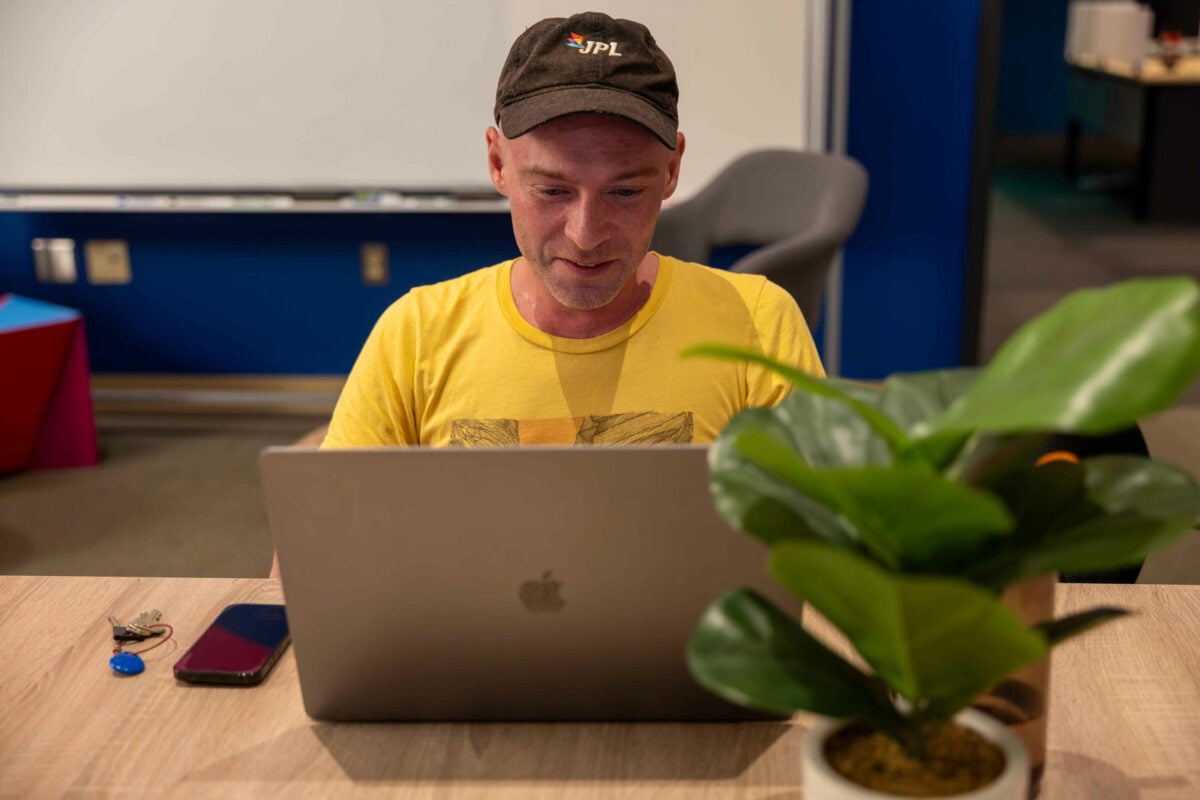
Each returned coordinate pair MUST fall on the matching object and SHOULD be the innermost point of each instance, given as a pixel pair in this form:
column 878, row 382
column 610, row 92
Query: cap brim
column 521, row 116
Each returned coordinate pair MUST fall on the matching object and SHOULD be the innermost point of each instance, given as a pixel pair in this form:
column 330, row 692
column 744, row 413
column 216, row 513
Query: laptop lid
column 538, row 583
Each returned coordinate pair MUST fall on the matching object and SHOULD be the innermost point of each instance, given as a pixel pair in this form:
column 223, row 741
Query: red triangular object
column 30, row 364
column 68, row 435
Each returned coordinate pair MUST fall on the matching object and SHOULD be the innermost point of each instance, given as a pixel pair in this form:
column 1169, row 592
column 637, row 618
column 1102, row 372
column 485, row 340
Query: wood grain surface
column 1124, row 721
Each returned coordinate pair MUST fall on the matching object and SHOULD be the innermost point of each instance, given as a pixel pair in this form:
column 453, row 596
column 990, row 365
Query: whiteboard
column 306, row 95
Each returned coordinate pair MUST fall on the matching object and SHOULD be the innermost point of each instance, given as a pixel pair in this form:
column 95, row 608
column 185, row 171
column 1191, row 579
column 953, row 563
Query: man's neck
column 546, row 314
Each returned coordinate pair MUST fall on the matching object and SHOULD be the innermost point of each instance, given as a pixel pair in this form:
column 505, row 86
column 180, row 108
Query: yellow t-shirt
column 455, row 363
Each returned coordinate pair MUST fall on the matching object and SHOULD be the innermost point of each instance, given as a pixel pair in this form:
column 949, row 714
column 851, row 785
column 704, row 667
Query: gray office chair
column 799, row 206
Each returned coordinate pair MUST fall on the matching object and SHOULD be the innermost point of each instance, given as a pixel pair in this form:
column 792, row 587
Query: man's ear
column 673, row 165
column 495, row 157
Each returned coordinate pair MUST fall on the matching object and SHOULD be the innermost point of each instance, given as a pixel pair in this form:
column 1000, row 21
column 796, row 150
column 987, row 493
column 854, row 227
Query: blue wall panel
column 246, row 293
column 911, row 116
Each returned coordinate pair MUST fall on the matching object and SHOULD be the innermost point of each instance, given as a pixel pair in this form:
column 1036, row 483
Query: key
column 122, row 633
column 146, row 618
column 142, row 622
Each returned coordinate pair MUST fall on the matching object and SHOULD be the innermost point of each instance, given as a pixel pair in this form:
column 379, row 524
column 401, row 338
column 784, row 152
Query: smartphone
column 239, row 647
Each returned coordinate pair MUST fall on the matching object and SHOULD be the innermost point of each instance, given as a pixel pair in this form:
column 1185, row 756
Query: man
column 577, row 341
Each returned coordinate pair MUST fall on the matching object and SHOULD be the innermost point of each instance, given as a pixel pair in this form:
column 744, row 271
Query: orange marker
column 1057, row 455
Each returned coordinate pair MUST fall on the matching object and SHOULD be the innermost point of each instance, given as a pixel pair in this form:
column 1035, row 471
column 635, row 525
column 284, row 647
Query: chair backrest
column 799, row 206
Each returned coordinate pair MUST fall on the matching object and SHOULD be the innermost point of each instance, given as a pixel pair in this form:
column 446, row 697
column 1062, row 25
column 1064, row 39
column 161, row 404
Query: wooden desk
column 1124, row 723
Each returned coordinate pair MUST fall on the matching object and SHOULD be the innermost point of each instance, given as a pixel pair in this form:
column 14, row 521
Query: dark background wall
column 1032, row 92
column 1176, row 15
column 1033, row 76
column 282, row 293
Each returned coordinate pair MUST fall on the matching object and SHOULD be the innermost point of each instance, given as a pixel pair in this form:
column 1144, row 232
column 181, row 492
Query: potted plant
column 902, row 511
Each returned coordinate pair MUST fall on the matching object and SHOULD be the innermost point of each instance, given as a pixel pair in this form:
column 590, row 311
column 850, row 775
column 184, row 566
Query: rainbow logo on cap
column 575, row 40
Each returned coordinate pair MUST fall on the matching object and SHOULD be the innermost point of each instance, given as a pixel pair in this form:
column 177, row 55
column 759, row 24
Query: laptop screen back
column 533, row 583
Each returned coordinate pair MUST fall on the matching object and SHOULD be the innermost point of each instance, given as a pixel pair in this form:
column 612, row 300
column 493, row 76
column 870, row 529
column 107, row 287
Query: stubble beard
column 581, row 297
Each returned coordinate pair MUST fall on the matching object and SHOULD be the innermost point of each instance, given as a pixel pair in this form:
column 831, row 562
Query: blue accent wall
column 277, row 292
column 253, row 293
column 911, row 120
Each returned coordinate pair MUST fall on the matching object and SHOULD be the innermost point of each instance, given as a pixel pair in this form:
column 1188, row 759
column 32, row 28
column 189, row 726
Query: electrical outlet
column 54, row 260
column 374, row 259
column 107, row 261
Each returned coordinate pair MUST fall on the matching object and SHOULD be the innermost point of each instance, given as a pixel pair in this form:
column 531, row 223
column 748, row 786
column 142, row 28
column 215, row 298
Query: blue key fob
column 127, row 663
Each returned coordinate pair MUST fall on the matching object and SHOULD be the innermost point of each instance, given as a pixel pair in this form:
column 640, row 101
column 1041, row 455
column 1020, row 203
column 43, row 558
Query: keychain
column 145, row 626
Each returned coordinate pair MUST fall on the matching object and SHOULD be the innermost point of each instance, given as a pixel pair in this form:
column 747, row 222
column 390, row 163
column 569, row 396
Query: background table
column 1157, row 109
column 1124, row 720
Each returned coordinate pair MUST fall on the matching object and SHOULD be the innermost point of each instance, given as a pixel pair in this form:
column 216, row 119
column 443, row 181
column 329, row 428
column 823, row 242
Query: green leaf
column 749, row 652
column 1108, row 512
column 927, row 523
column 880, row 424
column 1096, row 362
column 817, row 431
column 939, row 642
column 1141, row 485
column 1045, row 500
column 756, row 464
column 904, row 516
column 1059, row 630
column 987, row 457
column 911, row 400
column 753, row 477
column 829, row 433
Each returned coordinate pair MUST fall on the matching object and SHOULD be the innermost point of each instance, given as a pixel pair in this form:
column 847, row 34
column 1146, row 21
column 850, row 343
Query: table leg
column 1169, row 164
column 1071, row 150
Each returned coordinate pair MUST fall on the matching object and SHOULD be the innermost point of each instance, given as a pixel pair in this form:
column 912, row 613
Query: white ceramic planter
column 821, row 782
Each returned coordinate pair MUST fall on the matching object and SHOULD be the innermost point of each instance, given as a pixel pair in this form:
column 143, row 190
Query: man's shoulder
column 698, row 285
column 692, row 271
column 746, row 284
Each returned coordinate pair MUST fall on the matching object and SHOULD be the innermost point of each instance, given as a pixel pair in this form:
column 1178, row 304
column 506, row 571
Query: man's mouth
column 587, row 264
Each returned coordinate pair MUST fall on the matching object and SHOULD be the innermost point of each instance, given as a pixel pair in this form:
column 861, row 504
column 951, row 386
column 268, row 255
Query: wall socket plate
column 54, row 260
column 374, row 259
column 107, row 261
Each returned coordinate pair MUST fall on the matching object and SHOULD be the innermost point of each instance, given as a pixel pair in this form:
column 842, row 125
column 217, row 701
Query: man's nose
column 587, row 226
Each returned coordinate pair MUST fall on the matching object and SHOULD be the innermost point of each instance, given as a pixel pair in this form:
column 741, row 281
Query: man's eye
column 553, row 192
column 627, row 192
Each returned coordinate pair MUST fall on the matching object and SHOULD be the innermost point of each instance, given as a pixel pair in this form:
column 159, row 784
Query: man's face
column 585, row 191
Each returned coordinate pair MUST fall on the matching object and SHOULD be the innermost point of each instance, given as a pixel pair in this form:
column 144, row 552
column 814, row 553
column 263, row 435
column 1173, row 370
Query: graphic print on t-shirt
column 642, row 427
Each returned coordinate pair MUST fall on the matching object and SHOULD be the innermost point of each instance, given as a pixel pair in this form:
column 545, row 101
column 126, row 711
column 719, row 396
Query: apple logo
column 542, row 595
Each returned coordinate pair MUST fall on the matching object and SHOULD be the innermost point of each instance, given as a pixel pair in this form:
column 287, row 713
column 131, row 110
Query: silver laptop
column 537, row 583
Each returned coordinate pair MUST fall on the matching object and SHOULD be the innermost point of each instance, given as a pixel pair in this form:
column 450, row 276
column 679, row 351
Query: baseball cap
column 587, row 63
